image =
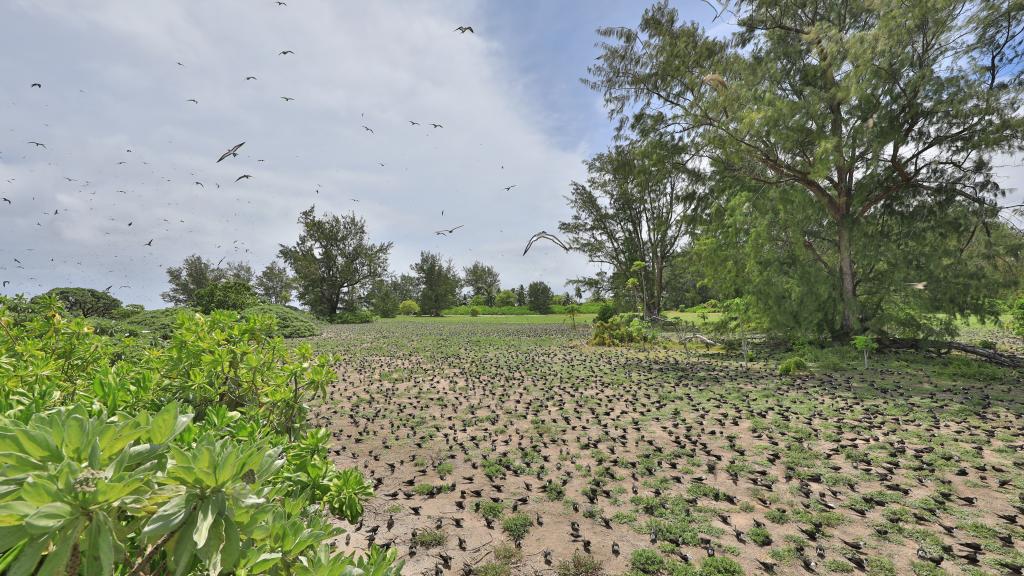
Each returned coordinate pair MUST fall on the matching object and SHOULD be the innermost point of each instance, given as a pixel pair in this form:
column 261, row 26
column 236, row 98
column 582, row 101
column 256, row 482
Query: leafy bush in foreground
column 622, row 329
column 184, row 457
column 291, row 323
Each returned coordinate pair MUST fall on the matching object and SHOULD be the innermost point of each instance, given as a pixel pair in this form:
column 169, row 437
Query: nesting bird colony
column 507, row 449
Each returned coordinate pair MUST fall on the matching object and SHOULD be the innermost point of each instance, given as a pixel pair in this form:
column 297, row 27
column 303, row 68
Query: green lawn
column 493, row 319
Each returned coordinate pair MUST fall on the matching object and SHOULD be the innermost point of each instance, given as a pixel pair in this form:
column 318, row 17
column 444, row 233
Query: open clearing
column 913, row 462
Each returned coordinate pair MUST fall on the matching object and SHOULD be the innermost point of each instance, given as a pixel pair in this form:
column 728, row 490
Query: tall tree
column 275, row 284
column 632, row 209
column 521, row 296
column 872, row 110
column 334, row 261
column 439, row 283
column 539, row 296
column 194, row 274
column 84, row 301
column 237, row 272
column 483, row 281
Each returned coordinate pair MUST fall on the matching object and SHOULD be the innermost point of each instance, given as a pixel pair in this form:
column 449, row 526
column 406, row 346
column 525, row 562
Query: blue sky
column 125, row 146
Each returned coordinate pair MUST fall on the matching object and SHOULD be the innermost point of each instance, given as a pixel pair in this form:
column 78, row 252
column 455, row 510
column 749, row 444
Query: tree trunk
column 847, row 285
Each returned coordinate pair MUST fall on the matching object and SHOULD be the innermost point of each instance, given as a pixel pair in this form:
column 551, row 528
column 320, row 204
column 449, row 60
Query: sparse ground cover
column 645, row 460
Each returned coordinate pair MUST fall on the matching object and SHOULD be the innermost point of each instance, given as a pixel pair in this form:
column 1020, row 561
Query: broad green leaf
column 63, row 544
column 184, row 547
column 167, row 518
column 230, row 552
column 210, row 552
column 205, row 517
column 35, row 444
column 38, row 491
column 48, row 517
column 29, row 557
column 15, row 512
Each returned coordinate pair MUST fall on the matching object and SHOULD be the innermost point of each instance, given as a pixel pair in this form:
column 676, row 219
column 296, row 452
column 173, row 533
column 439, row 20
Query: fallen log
column 998, row 358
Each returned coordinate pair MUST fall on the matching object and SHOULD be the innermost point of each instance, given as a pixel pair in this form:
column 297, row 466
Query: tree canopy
column 439, row 283
column 334, row 261
column 846, row 138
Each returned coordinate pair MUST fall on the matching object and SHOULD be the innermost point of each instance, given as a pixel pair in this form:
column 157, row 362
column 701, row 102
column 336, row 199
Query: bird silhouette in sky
column 464, row 29
column 448, row 231
column 243, row 177
column 542, row 235
column 233, row 151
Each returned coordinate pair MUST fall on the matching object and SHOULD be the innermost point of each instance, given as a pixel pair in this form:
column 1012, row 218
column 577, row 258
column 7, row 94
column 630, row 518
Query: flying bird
column 368, row 129
column 448, row 231
column 233, row 151
column 464, row 29
column 243, row 176
column 38, row 144
column 250, row 77
column 198, row 183
column 36, row 85
column 6, row 282
column 542, row 235
column 150, row 243
column 287, row 99
column 8, row 200
column 284, row 52
column 192, row 100
column 507, row 188
column 279, row 3
column 414, row 123
column 436, row 125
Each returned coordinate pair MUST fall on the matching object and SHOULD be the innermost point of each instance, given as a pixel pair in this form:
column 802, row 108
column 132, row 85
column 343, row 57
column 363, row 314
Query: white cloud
column 373, row 63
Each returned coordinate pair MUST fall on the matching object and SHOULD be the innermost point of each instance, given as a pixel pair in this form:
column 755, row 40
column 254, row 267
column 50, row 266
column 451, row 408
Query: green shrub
column 647, row 561
column 623, row 329
column 409, row 308
column 83, row 301
column 1017, row 317
column 493, row 569
column 353, row 317
column 579, row 564
column 792, row 366
column 759, row 536
column 720, row 566
column 228, row 295
column 517, row 526
column 429, row 538
column 507, row 553
column 159, row 323
column 604, row 313
column 206, row 431
column 291, row 323
column 474, row 311
column 490, row 510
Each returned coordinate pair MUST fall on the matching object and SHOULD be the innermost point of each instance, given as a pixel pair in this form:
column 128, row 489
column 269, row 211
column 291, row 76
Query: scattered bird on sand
column 243, row 177
column 448, row 231
column 542, row 235
column 36, row 85
column 285, row 52
column 918, row 285
column 233, row 151
column 368, row 129
column 464, row 29
column 37, row 144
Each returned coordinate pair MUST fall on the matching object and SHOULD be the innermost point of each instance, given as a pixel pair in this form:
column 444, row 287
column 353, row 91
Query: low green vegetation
column 123, row 454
